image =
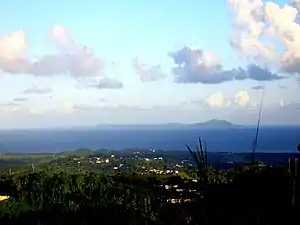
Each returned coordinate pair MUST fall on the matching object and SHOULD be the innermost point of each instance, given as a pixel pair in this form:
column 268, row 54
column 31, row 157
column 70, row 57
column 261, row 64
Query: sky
column 81, row 62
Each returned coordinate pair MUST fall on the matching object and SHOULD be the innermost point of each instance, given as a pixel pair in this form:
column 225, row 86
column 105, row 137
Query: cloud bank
column 263, row 28
column 264, row 33
column 257, row 28
column 73, row 58
column 193, row 65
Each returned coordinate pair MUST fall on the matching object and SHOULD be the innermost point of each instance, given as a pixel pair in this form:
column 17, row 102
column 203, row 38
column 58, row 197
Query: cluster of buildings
column 99, row 160
column 150, row 165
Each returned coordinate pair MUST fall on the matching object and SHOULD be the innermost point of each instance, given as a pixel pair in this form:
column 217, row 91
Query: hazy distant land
column 220, row 136
column 210, row 124
column 216, row 124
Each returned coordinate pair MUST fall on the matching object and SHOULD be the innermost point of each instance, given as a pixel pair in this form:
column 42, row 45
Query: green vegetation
column 26, row 158
column 143, row 187
column 22, row 159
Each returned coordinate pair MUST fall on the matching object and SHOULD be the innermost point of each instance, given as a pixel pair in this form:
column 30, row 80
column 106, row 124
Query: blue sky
column 77, row 63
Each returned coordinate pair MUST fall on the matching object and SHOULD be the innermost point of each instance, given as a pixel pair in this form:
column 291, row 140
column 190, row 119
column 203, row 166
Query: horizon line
column 145, row 125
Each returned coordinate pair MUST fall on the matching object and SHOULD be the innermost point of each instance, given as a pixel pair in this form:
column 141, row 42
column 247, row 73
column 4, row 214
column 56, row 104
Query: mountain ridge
column 214, row 123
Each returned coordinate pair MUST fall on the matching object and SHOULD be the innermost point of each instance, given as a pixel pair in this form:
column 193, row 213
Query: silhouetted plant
column 200, row 158
column 255, row 141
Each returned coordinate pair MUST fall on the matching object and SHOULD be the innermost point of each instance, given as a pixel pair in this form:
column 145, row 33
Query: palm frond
column 254, row 147
column 200, row 157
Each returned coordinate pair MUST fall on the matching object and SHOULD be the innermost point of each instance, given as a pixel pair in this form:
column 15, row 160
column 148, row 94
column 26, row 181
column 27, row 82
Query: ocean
column 271, row 139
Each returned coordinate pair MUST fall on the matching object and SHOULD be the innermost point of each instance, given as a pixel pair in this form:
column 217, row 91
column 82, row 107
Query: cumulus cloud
column 241, row 98
column 14, row 53
column 217, row 100
column 193, row 65
column 248, row 28
column 73, row 58
column 221, row 100
column 37, row 90
column 148, row 74
column 262, row 29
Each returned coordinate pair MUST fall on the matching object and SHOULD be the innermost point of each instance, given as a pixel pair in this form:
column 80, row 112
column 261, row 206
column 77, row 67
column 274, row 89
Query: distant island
column 214, row 123
column 210, row 124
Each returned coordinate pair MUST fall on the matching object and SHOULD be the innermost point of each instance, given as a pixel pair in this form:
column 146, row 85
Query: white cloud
column 217, row 100
column 14, row 53
column 241, row 98
column 260, row 26
column 73, row 58
column 221, row 100
column 193, row 65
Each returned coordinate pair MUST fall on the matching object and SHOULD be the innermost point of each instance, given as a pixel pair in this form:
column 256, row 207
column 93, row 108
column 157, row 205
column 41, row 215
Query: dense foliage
column 85, row 189
column 249, row 195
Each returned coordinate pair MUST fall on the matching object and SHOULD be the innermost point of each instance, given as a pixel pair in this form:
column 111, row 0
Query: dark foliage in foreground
column 250, row 195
